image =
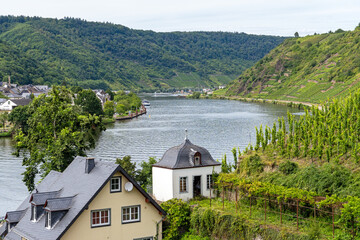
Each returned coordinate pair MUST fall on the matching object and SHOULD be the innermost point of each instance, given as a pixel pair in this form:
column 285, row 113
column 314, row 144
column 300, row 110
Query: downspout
column 157, row 226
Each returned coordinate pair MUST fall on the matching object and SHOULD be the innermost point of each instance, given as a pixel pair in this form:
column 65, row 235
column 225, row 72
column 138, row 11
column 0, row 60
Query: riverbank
column 294, row 104
column 131, row 115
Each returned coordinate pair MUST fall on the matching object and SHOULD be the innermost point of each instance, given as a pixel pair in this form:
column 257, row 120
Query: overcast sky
column 270, row 17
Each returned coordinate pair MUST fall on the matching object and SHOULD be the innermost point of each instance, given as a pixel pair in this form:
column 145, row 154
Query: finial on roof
column 186, row 134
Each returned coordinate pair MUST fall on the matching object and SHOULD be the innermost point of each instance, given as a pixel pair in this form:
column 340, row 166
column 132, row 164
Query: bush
column 288, row 167
column 252, row 165
column 177, row 220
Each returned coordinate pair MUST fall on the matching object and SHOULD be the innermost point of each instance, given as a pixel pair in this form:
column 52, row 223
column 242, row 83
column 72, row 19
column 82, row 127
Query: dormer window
column 48, row 220
column 197, row 159
column 33, row 213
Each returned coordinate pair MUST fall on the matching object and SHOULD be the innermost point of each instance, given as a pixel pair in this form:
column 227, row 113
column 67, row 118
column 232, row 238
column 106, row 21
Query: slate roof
column 21, row 102
column 40, row 198
column 14, row 216
column 181, row 156
column 58, row 204
column 2, row 229
column 81, row 192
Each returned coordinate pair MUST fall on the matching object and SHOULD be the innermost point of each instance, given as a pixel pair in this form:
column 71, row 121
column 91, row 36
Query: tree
column 89, row 102
column 57, row 132
column 144, row 176
column 19, row 116
column 3, row 118
column 296, row 34
column 111, row 93
column 127, row 165
column 109, row 109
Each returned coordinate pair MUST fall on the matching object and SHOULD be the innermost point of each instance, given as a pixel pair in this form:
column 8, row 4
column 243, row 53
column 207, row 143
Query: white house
column 184, row 172
column 10, row 104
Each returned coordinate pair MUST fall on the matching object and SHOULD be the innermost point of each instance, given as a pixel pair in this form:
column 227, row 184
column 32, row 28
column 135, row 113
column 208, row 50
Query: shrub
column 177, row 220
column 288, row 167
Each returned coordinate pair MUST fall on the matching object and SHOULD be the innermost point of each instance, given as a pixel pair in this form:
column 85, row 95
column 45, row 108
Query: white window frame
column 209, row 181
column 100, row 211
column 111, row 184
column 186, row 184
column 48, row 218
column 131, row 209
column 144, row 238
column 33, row 213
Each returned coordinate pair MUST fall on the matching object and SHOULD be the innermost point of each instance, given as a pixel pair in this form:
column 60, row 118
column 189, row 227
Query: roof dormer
column 37, row 201
column 12, row 218
column 55, row 210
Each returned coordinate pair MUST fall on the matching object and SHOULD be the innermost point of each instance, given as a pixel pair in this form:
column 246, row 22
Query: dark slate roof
column 21, row 102
column 58, row 204
column 14, row 216
column 182, row 157
column 2, row 229
column 82, row 192
column 40, row 198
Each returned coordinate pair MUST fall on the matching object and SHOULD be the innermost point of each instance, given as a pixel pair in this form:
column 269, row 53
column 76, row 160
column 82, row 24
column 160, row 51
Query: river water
column 217, row 125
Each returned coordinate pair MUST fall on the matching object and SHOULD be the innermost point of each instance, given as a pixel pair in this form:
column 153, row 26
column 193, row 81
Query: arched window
column 197, row 159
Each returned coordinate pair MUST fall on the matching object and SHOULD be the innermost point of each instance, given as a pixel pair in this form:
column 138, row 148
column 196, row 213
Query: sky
column 269, row 17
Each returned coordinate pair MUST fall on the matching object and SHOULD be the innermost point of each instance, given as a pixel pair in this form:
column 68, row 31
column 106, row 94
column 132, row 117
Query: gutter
column 157, row 226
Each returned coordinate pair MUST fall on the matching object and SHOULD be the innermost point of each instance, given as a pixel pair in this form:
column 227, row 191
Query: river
column 217, row 125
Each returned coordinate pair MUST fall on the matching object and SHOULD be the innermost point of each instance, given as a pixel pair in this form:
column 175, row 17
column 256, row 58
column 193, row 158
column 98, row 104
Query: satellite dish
column 128, row 186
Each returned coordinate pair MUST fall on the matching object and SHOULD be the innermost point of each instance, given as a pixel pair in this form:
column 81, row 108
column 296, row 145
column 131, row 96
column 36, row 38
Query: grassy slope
column 77, row 51
column 308, row 69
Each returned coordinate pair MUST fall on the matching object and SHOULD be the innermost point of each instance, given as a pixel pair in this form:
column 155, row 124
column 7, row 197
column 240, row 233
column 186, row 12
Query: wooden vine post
column 297, row 214
column 236, row 199
column 223, row 196
column 333, row 225
column 250, row 205
column 280, row 212
column 265, row 208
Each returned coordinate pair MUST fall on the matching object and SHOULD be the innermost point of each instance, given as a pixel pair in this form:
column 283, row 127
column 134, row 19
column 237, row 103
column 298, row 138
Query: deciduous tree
column 57, row 132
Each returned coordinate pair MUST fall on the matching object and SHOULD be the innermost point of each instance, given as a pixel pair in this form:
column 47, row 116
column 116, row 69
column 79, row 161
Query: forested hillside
column 98, row 55
column 310, row 69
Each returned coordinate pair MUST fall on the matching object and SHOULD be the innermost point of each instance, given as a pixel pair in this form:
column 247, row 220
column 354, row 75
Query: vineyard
column 329, row 132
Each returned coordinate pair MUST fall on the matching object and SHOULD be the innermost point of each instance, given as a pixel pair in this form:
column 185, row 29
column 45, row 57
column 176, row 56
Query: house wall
column 147, row 226
column 162, row 183
column 7, row 106
column 190, row 173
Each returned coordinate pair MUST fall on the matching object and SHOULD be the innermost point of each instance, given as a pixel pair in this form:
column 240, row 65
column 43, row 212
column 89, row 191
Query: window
column 209, row 181
column 131, row 214
column 48, row 220
column 115, row 184
column 100, row 218
column 144, row 238
column 33, row 213
column 197, row 159
column 183, row 184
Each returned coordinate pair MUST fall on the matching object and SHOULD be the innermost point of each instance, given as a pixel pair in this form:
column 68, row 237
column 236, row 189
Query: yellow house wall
column 81, row 229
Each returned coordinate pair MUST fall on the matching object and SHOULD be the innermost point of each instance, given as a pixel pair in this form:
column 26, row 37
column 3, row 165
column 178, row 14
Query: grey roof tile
column 182, row 157
column 14, row 216
column 39, row 198
column 58, row 204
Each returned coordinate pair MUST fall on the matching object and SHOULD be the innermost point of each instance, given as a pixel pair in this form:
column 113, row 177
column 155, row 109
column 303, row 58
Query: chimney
column 89, row 164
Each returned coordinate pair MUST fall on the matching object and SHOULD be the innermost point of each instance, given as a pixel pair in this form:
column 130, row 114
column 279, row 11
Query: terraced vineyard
column 308, row 69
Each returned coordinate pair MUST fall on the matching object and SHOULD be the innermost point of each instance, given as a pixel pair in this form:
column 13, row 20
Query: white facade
column 7, row 106
column 166, row 182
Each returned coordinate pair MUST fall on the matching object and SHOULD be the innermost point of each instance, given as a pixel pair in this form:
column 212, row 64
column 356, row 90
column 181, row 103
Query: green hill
column 308, row 69
column 93, row 54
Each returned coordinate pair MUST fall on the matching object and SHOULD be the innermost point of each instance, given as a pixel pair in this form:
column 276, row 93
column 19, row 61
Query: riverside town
column 192, row 121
